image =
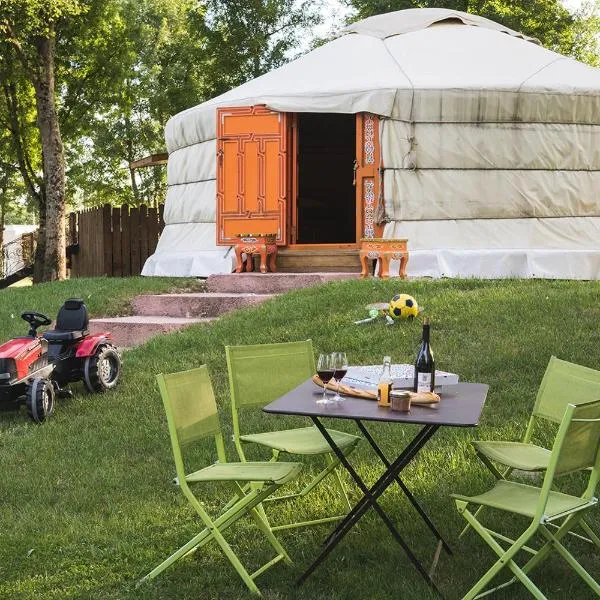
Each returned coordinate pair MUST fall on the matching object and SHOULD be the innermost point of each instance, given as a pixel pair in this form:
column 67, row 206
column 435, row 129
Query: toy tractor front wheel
column 101, row 370
column 39, row 399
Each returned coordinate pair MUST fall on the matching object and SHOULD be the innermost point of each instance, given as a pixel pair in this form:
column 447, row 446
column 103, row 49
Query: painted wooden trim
column 368, row 180
column 252, row 195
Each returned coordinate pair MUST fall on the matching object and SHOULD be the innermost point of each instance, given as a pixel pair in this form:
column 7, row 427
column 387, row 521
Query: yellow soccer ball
column 403, row 306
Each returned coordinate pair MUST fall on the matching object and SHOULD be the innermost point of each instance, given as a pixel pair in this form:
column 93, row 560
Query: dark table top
column 460, row 406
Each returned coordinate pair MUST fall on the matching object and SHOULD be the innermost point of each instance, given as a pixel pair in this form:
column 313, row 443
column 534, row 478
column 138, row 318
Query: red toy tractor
column 34, row 369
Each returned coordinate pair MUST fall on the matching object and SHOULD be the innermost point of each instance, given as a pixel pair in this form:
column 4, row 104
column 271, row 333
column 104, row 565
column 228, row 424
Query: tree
column 31, row 28
column 171, row 54
column 20, row 150
column 547, row 20
column 246, row 38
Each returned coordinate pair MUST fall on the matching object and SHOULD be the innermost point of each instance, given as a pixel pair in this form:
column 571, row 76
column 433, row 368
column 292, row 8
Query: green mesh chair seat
column 306, row 440
column 263, row 472
column 259, row 374
column 524, row 499
column 525, row 457
column 576, row 449
column 191, row 411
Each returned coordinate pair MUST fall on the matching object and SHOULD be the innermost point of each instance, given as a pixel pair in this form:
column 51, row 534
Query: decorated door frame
column 367, row 175
column 257, row 175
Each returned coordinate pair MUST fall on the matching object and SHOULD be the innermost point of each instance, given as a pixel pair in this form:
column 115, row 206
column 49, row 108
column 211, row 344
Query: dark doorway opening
column 326, row 203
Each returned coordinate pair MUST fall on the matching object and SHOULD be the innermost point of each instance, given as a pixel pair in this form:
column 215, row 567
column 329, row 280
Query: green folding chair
column 576, row 448
column 192, row 415
column 563, row 383
column 258, row 375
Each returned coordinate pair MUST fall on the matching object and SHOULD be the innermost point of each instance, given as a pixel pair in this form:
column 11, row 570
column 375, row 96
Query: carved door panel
column 252, row 172
column 367, row 180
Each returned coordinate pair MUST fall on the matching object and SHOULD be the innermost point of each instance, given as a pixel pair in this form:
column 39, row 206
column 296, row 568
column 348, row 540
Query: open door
column 252, row 172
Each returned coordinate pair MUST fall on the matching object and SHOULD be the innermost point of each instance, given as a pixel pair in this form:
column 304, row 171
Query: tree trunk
column 52, row 220
column 2, row 219
column 40, row 249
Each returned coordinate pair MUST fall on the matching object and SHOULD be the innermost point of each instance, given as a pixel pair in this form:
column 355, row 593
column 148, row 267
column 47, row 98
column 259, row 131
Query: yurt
column 472, row 141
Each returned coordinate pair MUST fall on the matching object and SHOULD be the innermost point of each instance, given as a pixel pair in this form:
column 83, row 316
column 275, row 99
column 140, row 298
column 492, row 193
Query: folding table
column 460, row 406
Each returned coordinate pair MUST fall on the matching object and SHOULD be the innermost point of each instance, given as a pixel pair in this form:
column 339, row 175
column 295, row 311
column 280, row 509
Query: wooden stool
column 262, row 244
column 383, row 250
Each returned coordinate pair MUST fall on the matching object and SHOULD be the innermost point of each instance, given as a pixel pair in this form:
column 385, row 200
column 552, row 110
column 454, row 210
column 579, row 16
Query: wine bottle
column 424, row 365
column 384, row 387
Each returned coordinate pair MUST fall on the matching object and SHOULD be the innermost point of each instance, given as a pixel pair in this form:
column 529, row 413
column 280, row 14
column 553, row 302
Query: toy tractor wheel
column 39, row 399
column 102, row 370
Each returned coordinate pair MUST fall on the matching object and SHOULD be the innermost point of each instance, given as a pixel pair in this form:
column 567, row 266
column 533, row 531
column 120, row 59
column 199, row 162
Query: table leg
column 364, row 261
column 371, row 500
column 249, row 262
column 384, row 265
column 263, row 259
column 384, row 481
column 403, row 263
column 272, row 261
column 403, row 487
column 239, row 263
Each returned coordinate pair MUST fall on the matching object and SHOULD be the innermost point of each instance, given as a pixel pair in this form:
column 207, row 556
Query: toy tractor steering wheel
column 35, row 320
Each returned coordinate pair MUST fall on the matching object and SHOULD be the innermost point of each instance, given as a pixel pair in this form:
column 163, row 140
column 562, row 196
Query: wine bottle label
column 423, row 382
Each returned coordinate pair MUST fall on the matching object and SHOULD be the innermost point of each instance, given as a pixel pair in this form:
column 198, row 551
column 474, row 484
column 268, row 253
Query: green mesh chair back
column 580, row 444
column 565, row 383
column 266, row 371
column 191, row 410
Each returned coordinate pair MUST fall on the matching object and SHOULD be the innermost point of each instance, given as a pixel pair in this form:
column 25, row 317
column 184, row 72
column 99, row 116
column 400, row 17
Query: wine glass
column 339, row 362
column 325, row 373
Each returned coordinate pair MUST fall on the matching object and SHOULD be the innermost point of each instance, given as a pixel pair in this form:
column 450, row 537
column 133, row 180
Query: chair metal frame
column 576, row 448
column 194, row 387
column 563, row 383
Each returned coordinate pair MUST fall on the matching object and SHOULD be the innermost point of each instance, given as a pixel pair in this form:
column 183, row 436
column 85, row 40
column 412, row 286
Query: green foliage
column 123, row 67
column 246, row 39
column 88, row 503
column 547, row 20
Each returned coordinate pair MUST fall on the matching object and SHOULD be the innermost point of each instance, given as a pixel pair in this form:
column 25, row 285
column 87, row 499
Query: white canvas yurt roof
column 490, row 146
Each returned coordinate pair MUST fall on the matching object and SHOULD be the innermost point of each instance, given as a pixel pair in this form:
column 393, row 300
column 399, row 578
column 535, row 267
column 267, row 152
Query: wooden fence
column 113, row 241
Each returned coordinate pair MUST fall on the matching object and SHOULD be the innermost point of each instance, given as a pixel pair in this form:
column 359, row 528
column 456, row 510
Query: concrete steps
column 210, row 304
column 270, row 283
column 164, row 313
column 135, row 330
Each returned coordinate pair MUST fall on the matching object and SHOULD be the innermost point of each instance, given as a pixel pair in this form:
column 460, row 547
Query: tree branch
column 10, row 95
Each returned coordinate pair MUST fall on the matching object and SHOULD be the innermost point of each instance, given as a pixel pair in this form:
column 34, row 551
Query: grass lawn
column 87, row 504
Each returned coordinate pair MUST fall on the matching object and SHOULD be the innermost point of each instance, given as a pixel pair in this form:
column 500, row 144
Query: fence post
column 134, row 225
column 125, row 241
column 117, row 263
column 144, row 253
column 107, row 240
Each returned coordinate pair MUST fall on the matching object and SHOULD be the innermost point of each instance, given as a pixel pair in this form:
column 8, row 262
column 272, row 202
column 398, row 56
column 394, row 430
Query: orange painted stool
column 383, row 250
column 249, row 244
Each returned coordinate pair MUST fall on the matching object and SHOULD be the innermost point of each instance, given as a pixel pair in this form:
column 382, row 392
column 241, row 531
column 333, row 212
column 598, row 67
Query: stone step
column 132, row 331
column 270, row 283
column 195, row 304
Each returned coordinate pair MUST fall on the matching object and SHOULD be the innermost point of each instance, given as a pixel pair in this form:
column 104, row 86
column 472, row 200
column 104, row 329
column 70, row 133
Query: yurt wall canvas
column 488, row 155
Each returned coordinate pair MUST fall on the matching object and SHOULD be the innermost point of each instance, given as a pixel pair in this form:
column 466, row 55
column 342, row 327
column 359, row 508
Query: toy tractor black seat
column 71, row 323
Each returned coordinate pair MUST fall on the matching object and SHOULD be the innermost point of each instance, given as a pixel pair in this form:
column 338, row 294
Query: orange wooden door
column 252, row 172
column 366, row 170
